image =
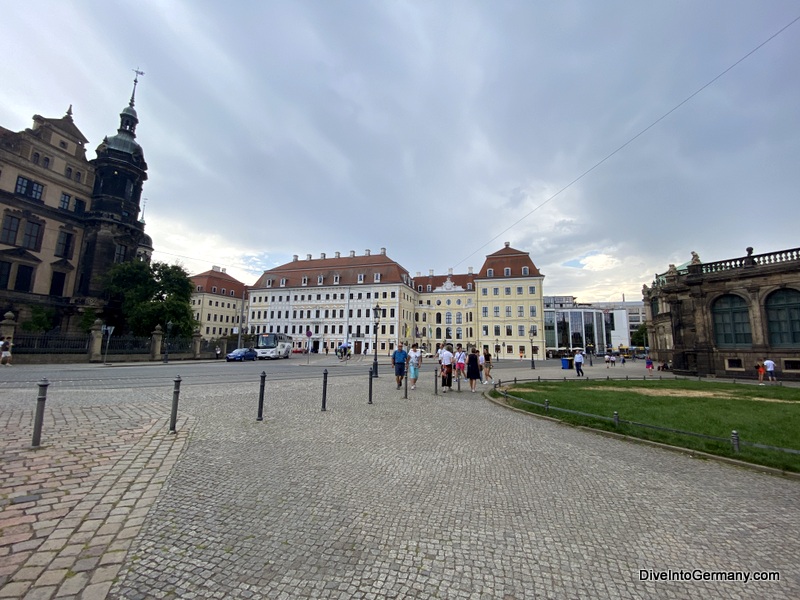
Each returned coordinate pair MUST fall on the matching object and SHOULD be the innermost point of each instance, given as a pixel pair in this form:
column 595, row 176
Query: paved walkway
column 427, row 497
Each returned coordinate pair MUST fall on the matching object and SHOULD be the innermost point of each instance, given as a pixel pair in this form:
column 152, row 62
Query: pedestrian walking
column 473, row 370
column 218, row 352
column 487, row 367
column 648, row 364
column 446, row 361
column 579, row 363
column 461, row 363
column 769, row 366
column 399, row 359
column 414, row 363
column 760, row 370
column 5, row 352
column 608, row 360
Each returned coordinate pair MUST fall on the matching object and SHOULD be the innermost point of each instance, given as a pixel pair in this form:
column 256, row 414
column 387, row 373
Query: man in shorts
column 769, row 365
column 5, row 352
column 399, row 359
column 414, row 363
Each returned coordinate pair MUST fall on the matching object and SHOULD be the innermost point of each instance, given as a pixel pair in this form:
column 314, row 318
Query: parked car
column 242, row 354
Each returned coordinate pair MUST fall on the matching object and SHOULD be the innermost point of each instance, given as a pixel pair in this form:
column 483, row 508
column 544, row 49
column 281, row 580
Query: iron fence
column 48, row 343
column 127, row 344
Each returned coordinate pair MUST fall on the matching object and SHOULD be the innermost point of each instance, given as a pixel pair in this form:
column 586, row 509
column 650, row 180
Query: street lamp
column 532, row 334
column 376, row 317
column 166, row 345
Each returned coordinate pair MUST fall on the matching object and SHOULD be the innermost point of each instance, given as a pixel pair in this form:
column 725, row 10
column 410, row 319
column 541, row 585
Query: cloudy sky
column 436, row 129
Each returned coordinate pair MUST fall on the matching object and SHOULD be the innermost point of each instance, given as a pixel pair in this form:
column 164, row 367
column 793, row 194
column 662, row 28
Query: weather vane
column 135, row 81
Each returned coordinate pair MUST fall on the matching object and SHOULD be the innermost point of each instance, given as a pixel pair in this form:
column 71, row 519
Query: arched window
column 448, row 318
column 438, row 333
column 424, row 317
column 731, row 321
column 458, row 318
column 458, row 333
column 783, row 318
column 438, row 318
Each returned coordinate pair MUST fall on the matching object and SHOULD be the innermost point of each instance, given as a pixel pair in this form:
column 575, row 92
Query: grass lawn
column 767, row 415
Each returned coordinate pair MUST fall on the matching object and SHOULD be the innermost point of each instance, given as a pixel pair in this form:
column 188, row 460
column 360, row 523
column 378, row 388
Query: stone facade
column 722, row 318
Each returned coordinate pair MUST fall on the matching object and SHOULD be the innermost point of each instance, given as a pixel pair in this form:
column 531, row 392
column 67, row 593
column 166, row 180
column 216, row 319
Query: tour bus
column 273, row 345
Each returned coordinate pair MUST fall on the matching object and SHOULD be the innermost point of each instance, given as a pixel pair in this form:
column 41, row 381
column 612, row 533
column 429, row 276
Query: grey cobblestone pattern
column 427, row 497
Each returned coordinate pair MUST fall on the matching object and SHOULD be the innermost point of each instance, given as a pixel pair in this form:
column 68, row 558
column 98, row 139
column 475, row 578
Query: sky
column 607, row 139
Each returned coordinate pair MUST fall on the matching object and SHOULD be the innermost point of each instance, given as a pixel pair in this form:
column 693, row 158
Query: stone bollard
column 260, row 416
column 176, row 392
column 39, row 418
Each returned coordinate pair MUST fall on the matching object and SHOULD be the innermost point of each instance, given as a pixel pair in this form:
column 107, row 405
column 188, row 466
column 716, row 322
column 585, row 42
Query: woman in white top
column 446, row 360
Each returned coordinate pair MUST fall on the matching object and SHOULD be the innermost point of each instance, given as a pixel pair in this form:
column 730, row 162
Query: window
column 57, row 283
column 525, row 271
column 335, row 280
column 497, row 330
column 31, row 237
column 64, row 245
column 485, row 312
column 68, row 172
column 495, row 291
column 533, row 311
column 509, row 330
column 783, row 318
column 427, row 288
column 448, row 318
column 520, row 330
column 35, row 158
column 213, row 289
column 320, row 279
column 520, row 311
column 46, row 162
column 485, row 330
column 507, row 291
column 304, row 281
column 28, row 188
column 360, row 278
column 508, row 311
column 531, row 289
column 78, row 176
column 24, row 278
column 507, row 272
column 497, row 312
column 80, row 206
column 377, row 277
column 64, row 203
column 222, row 291
column 119, row 253
column 458, row 318
column 10, row 228
column 490, row 272
column 283, row 282
column 5, row 274
column 731, row 321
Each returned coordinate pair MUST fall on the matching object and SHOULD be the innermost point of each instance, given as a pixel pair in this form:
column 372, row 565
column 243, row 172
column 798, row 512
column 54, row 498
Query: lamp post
column 532, row 333
column 166, row 344
column 376, row 318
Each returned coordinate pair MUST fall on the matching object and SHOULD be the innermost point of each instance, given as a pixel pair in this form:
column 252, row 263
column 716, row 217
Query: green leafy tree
column 145, row 295
column 639, row 337
column 41, row 320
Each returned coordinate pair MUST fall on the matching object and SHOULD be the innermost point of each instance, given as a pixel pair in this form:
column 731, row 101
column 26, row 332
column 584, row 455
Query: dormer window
column 335, row 280
column 377, row 278
column 283, row 282
column 304, row 282
column 507, row 271
column 360, row 278
column 269, row 283
column 213, row 289
column 199, row 288
column 490, row 272
column 223, row 291
column 525, row 271
column 320, row 279
column 231, row 292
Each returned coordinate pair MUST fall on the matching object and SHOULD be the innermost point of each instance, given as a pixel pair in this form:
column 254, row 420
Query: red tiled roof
column 511, row 258
column 348, row 268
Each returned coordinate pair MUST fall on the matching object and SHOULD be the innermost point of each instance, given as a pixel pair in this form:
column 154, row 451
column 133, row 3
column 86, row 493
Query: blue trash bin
column 565, row 363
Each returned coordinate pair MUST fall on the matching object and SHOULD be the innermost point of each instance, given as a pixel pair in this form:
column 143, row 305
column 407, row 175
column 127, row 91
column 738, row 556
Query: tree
column 639, row 337
column 143, row 295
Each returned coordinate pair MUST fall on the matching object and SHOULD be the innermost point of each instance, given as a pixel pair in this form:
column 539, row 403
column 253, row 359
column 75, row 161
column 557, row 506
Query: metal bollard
column 546, row 406
column 39, row 419
column 324, row 389
column 539, row 379
column 616, row 419
column 176, row 393
column 405, row 391
column 735, row 440
column 370, row 386
column 436, row 382
column 261, row 397
column 458, row 384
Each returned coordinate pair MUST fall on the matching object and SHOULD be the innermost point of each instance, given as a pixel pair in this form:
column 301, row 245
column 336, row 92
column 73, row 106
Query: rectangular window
column 64, row 202
column 531, row 289
column 57, row 283
column 24, row 279
column 485, row 330
column 508, row 312
column 519, row 290
column 5, row 274
column 495, row 291
column 497, row 330
column 533, row 311
column 80, row 206
column 28, row 188
column 484, row 291
column 10, row 228
column 497, row 312
column 520, row 330
column 120, row 252
column 485, row 312
column 509, row 331
column 30, row 239
column 360, row 278
column 520, row 311
column 508, row 291
column 64, row 244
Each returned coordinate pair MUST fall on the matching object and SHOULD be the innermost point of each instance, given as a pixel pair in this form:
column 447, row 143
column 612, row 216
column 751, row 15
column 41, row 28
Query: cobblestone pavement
column 447, row 496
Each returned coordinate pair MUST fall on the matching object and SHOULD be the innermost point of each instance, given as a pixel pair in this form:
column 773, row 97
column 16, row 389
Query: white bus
column 273, row 345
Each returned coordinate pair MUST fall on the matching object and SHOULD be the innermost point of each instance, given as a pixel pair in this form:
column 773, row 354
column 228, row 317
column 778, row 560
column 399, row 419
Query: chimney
column 352, row 253
column 308, row 257
column 322, row 255
column 383, row 251
column 450, row 271
column 366, row 252
column 430, row 272
column 338, row 255
column 223, row 270
column 294, row 258
column 418, row 274
column 507, row 244
column 215, row 268
column 469, row 270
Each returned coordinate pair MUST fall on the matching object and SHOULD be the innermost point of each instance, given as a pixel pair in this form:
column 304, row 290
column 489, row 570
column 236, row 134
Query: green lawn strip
column 762, row 414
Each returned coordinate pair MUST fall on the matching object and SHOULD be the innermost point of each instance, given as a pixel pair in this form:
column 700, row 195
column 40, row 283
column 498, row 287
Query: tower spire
column 135, row 81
